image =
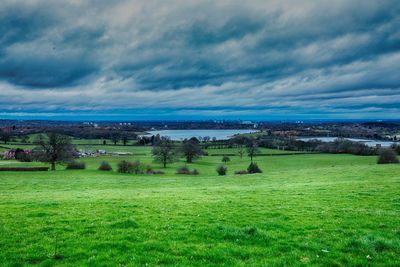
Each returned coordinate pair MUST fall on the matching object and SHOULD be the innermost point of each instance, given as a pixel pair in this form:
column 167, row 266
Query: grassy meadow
column 303, row 210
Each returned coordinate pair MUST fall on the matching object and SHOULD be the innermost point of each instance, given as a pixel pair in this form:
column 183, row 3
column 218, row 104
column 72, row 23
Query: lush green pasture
column 326, row 210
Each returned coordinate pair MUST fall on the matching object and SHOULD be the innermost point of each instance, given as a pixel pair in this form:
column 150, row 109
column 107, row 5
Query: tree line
column 56, row 148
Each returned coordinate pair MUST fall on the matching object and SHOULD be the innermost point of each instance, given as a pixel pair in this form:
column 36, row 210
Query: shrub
column 253, row 168
column 221, row 169
column 149, row 170
column 387, row 155
column 105, row 166
column 125, row 167
column 76, row 165
column 183, row 170
column 137, row 167
column 241, row 172
column 130, row 167
column 154, row 172
column 225, row 159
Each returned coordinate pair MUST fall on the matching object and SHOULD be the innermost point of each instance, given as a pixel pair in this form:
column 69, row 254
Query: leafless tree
column 164, row 152
column 54, row 148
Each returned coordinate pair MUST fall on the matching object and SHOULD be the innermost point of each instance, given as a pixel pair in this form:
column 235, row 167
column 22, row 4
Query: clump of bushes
column 76, row 165
column 222, row 169
column 149, row 170
column 183, row 170
column 125, row 167
column 105, row 166
column 387, row 156
column 136, row 167
column 155, row 172
column 186, row 170
column 253, row 168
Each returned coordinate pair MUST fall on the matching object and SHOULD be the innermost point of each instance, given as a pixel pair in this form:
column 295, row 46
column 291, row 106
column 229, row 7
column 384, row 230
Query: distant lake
column 370, row 143
column 186, row 134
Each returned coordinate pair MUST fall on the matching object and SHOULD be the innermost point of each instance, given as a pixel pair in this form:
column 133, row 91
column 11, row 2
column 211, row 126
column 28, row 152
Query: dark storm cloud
column 39, row 49
column 220, row 56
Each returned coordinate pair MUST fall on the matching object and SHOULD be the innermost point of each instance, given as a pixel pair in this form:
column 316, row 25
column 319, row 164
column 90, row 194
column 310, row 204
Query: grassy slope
column 315, row 209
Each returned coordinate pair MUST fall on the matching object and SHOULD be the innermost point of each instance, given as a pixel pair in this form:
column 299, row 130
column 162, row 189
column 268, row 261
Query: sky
column 199, row 59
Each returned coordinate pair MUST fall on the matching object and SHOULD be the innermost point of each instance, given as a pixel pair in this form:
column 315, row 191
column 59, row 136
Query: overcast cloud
column 200, row 59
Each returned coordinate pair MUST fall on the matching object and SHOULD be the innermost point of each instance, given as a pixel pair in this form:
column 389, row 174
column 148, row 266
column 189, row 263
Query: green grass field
column 320, row 210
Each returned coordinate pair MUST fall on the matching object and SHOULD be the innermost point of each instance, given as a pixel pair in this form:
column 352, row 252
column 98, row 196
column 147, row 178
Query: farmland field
column 316, row 209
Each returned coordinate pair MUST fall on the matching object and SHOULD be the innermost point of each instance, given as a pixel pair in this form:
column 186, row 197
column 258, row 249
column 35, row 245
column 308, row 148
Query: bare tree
column 191, row 150
column 54, row 148
column 240, row 151
column 252, row 150
column 164, row 152
column 240, row 141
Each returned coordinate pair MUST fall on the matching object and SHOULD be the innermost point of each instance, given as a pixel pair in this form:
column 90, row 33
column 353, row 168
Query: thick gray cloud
column 229, row 58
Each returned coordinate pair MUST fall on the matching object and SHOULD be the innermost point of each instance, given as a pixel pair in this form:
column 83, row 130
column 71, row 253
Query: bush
column 105, row 166
column 225, row 159
column 155, row 172
column 130, row 167
column 76, row 165
column 387, row 156
column 125, row 167
column 149, row 170
column 241, row 172
column 221, row 170
column 183, row 170
column 137, row 167
column 253, row 168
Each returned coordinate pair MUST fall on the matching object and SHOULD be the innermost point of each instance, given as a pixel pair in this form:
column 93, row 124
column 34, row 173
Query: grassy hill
column 322, row 210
